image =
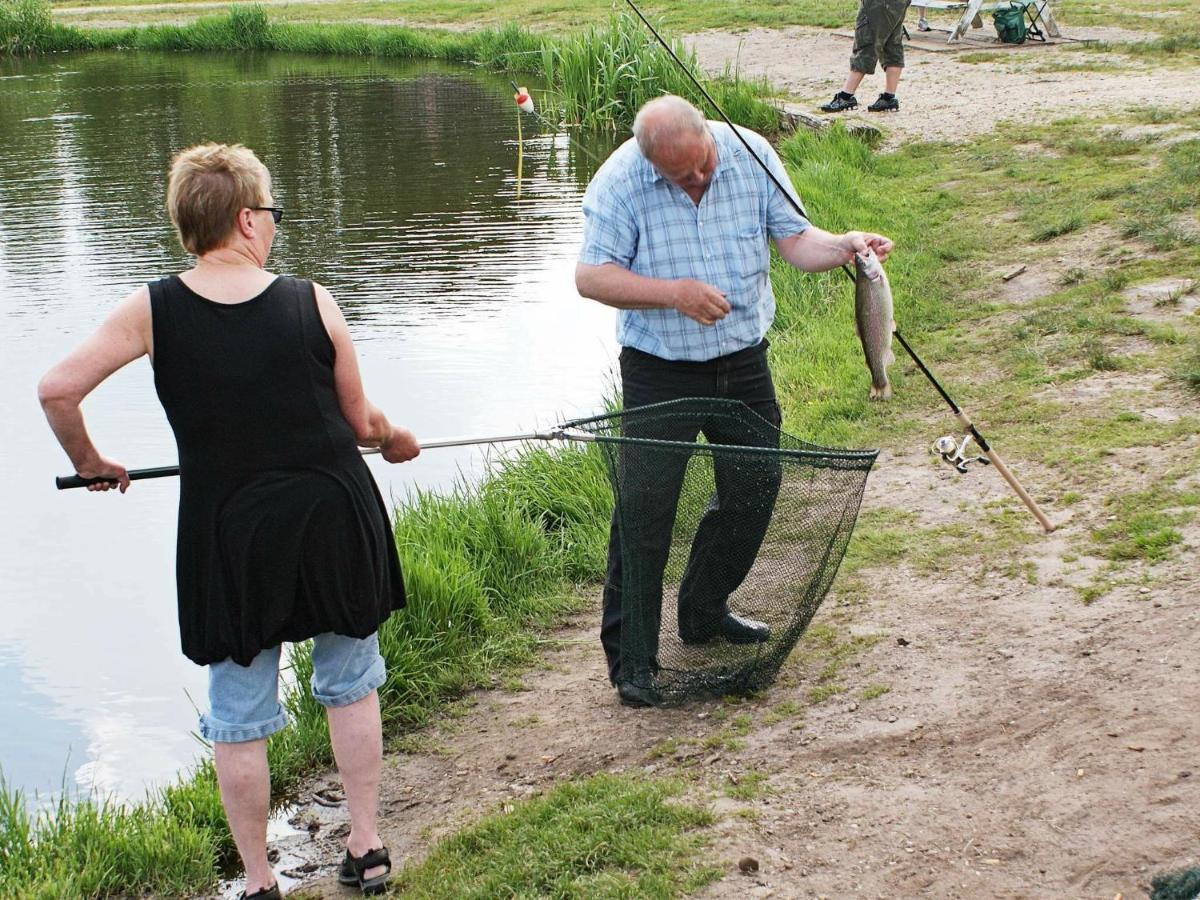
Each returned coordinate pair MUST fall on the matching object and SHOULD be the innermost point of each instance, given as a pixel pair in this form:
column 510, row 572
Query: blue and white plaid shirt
column 637, row 219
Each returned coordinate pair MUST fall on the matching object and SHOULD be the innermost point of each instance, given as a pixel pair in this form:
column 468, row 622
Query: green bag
column 1010, row 23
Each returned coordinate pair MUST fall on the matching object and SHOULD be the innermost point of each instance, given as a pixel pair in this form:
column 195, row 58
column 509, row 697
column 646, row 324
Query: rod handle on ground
column 64, row 482
column 1047, row 526
column 996, row 461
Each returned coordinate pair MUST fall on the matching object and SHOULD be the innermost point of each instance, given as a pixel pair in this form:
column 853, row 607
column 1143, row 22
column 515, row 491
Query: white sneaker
column 922, row 25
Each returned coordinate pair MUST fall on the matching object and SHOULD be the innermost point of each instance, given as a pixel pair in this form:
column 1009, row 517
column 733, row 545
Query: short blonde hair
column 208, row 185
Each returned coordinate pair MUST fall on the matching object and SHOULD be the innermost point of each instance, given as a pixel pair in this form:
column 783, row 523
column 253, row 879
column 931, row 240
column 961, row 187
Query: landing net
column 749, row 520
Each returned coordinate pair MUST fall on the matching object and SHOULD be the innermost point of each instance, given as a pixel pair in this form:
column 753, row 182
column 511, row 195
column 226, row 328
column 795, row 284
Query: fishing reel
column 955, row 453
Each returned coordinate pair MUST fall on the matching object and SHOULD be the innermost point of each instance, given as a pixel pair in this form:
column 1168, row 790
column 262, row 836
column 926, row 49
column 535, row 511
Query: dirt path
column 943, row 98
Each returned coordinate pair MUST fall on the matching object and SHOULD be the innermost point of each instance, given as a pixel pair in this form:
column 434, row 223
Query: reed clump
column 602, row 76
column 26, row 26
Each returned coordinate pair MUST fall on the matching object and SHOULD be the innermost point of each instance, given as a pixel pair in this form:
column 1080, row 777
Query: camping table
column 1038, row 10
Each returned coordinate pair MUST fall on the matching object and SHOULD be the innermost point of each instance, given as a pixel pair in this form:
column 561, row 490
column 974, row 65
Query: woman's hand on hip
column 400, row 447
column 112, row 471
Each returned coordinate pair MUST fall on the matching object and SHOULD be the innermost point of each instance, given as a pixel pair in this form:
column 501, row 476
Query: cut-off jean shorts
column 244, row 700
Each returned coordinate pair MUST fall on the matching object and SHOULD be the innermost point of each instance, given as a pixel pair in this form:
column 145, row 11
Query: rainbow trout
column 873, row 321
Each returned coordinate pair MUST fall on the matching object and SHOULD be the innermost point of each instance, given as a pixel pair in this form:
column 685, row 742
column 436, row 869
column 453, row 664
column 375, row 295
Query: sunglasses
column 275, row 211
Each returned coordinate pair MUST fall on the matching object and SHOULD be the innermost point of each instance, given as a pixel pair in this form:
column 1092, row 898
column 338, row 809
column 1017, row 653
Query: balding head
column 674, row 138
column 664, row 121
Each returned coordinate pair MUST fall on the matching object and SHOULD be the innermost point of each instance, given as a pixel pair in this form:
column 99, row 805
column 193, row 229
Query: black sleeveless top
column 282, row 532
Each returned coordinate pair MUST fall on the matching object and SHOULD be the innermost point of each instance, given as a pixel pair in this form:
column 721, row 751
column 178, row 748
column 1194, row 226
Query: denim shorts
column 244, row 700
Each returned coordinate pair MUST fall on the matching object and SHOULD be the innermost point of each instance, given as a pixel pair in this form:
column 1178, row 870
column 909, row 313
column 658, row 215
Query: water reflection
column 401, row 196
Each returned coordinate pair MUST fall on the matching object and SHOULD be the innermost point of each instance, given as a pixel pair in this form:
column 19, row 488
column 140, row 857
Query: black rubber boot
column 840, row 103
column 885, row 103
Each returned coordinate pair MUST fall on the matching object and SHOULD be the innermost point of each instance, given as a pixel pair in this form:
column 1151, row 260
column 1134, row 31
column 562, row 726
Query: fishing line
column 955, row 408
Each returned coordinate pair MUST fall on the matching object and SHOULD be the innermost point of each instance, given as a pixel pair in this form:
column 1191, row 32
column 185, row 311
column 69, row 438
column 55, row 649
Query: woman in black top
column 282, row 533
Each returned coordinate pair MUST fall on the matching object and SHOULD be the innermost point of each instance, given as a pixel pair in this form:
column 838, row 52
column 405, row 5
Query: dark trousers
column 731, row 529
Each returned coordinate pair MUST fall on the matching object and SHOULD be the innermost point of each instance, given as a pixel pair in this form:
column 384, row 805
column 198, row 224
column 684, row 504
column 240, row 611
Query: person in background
column 878, row 38
column 678, row 224
column 282, row 535
column 922, row 23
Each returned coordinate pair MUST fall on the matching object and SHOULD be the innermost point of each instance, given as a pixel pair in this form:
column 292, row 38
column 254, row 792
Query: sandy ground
column 1029, row 745
column 943, row 98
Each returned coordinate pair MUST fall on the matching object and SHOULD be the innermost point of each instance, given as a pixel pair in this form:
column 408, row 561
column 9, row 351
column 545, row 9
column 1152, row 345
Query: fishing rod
column 562, row 432
column 963, row 419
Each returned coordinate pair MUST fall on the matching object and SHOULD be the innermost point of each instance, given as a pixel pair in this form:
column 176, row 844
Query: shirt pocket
column 753, row 255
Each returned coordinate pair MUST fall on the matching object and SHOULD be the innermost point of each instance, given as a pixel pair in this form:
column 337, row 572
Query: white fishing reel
column 955, row 453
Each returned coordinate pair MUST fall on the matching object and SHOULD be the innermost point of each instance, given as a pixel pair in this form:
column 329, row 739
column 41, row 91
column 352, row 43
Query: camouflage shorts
column 877, row 35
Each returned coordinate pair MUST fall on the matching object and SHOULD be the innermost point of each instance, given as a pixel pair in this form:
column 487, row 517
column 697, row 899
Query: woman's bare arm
column 371, row 426
column 123, row 337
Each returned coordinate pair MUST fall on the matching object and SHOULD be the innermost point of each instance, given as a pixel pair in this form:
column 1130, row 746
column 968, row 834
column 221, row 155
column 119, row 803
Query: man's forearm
column 814, row 250
column 617, row 287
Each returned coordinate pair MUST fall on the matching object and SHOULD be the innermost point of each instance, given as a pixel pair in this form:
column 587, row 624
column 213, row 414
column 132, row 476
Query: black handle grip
column 65, row 482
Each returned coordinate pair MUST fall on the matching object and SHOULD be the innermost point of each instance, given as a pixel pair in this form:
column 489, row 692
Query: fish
column 874, row 322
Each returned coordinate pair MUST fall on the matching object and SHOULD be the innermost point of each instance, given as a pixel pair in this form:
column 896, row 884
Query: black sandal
column 351, row 872
column 271, row 893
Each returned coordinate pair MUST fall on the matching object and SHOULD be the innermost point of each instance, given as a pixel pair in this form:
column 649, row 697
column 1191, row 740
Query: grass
column 26, row 26
column 871, row 691
column 1078, row 65
column 822, row 649
column 602, row 837
column 1188, row 371
column 97, row 848
column 781, row 712
column 887, row 536
column 1155, row 212
column 1143, row 525
column 749, row 786
column 729, row 738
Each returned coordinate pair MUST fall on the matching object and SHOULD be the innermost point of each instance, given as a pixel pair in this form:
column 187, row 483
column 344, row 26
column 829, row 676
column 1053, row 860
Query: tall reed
column 601, row 77
column 26, row 26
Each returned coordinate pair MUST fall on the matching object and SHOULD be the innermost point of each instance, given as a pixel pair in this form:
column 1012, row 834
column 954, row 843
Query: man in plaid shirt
column 676, row 229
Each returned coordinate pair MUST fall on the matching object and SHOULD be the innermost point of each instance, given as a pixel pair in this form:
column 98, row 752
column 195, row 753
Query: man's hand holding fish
column 816, row 250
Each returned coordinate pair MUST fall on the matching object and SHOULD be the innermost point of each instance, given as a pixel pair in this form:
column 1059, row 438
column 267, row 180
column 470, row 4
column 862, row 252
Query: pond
column 401, row 190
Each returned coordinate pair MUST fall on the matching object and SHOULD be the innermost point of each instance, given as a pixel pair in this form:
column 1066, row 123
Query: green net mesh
column 750, row 521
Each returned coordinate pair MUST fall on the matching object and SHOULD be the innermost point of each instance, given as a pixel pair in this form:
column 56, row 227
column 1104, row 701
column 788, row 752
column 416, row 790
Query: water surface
column 399, row 182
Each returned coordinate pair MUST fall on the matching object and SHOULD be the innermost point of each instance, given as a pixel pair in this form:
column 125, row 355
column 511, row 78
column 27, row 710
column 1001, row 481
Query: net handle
column 558, row 433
